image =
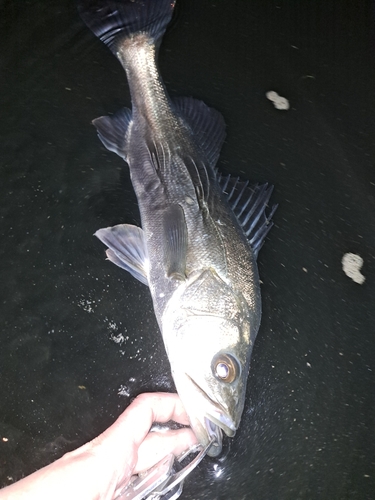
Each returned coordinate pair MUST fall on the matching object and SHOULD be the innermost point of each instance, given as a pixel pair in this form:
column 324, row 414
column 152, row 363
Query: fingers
column 157, row 445
column 164, row 407
column 128, row 446
column 134, row 424
column 146, row 409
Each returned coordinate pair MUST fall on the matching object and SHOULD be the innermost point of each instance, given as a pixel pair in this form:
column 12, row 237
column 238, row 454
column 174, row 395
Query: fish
column 200, row 232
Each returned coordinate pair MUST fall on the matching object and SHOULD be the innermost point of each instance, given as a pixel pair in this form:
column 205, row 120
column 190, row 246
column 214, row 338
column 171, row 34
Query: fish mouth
column 215, row 422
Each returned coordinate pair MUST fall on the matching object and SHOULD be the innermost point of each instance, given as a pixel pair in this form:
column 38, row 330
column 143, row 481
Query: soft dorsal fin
column 127, row 249
column 250, row 205
column 206, row 123
column 112, row 131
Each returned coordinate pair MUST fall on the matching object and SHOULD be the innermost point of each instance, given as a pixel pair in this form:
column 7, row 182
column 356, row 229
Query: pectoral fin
column 175, row 242
column 126, row 248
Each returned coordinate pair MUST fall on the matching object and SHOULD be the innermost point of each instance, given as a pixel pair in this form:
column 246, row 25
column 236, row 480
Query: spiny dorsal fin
column 249, row 204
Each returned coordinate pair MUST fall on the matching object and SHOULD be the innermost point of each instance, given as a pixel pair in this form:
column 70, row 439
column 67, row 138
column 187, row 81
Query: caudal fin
column 114, row 20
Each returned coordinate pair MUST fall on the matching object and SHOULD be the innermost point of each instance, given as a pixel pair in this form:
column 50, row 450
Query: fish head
column 207, row 333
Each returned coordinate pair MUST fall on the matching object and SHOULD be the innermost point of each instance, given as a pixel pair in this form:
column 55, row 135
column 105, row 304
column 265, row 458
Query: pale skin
column 101, row 468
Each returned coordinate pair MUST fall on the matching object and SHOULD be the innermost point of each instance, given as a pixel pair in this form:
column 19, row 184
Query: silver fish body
column 192, row 251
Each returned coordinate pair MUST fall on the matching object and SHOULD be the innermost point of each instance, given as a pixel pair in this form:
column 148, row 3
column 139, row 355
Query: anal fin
column 127, row 249
column 112, row 131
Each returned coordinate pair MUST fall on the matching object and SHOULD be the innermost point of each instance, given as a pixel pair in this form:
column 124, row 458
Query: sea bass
column 201, row 232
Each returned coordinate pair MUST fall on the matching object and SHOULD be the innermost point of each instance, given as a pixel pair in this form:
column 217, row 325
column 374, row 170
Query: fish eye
column 225, row 368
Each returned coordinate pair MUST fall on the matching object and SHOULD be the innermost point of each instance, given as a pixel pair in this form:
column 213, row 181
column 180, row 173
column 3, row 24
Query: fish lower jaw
column 214, row 429
column 215, row 436
column 223, row 423
column 215, row 421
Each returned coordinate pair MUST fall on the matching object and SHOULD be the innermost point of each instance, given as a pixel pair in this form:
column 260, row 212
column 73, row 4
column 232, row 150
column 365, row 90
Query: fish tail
column 115, row 20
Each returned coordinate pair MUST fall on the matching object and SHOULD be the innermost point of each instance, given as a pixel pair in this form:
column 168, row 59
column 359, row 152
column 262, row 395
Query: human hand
column 101, row 468
column 140, row 448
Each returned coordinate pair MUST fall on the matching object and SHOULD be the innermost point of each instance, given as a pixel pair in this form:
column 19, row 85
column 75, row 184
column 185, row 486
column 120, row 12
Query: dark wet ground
column 78, row 336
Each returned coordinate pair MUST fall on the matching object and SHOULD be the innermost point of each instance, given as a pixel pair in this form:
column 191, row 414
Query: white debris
column 112, row 326
column 278, row 101
column 351, row 265
column 118, row 339
column 87, row 305
column 123, row 391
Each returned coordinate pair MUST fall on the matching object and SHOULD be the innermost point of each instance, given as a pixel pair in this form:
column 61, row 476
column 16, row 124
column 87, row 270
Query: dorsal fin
column 206, row 124
column 250, row 205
